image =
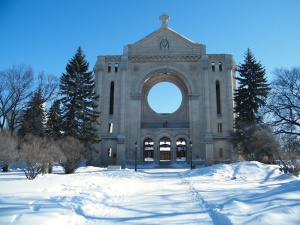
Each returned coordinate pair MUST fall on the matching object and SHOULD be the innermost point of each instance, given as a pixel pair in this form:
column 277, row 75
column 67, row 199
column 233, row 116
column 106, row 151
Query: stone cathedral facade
column 197, row 132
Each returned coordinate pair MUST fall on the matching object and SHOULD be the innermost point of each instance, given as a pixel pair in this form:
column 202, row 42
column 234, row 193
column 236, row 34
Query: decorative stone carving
column 164, row 19
column 136, row 96
column 216, row 56
column 164, row 45
column 167, row 58
column 193, row 96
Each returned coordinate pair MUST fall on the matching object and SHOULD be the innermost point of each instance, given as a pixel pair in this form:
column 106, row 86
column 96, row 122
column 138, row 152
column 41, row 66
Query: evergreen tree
column 34, row 117
column 54, row 124
column 77, row 87
column 252, row 90
column 250, row 96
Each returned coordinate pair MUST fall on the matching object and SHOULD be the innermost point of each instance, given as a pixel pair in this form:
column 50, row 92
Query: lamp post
column 135, row 157
column 191, row 147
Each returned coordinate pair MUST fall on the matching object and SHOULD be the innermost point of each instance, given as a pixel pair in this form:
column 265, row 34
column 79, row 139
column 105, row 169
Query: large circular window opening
column 164, row 98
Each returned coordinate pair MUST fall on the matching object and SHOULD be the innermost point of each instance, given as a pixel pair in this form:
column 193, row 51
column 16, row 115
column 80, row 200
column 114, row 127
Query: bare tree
column 8, row 150
column 284, row 101
column 54, row 153
column 47, row 84
column 17, row 85
column 283, row 112
column 287, row 156
column 15, row 89
column 37, row 153
column 75, row 153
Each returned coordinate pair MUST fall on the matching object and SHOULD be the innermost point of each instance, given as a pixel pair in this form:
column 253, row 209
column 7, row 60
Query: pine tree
column 250, row 96
column 54, row 124
column 34, row 117
column 252, row 91
column 77, row 88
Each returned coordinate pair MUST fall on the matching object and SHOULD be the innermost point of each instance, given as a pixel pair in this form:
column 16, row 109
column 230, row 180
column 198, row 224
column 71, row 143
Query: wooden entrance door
column 165, row 155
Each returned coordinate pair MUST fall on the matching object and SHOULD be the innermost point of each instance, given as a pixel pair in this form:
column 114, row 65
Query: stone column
column 207, row 101
column 209, row 151
column 123, row 68
column 99, row 74
column 121, row 151
column 121, row 154
column 231, row 85
column 209, row 148
column 173, row 153
column 134, row 119
column 156, row 152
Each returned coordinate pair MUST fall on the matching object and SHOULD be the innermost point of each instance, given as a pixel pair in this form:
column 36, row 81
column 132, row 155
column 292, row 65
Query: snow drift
column 239, row 193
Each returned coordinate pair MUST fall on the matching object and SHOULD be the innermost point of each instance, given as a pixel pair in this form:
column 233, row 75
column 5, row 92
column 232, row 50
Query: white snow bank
column 249, row 192
column 239, row 193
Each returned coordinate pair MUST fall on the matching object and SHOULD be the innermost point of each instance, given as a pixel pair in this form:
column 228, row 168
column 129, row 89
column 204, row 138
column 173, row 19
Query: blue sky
column 46, row 34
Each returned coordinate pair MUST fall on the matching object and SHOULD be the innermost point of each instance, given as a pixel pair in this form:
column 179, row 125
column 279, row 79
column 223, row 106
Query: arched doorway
column 181, row 148
column 148, row 150
column 165, row 149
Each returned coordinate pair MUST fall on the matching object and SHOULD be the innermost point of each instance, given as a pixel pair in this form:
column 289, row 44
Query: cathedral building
column 197, row 132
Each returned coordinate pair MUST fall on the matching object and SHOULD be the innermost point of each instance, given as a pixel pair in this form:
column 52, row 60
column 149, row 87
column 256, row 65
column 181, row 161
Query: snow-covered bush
column 74, row 152
column 8, row 150
column 287, row 156
column 37, row 154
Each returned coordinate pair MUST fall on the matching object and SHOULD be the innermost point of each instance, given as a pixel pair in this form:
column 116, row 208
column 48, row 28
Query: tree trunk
column 5, row 167
column 50, row 168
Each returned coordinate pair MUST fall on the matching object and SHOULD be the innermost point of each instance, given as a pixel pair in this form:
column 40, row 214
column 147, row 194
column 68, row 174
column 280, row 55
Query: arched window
column 165, row 149
column 218, row 97
column 148, row 150
column 111, row 100
column 220, row 66
column 109, row 67
column 213, row 66
column 181, row 150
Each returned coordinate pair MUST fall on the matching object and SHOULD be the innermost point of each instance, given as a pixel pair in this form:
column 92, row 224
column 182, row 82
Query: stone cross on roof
column 164, row 18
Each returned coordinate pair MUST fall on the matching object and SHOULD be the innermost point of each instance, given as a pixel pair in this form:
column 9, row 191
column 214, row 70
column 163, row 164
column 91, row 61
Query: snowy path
column 160, row 198
column 217, row 217
column 258, row 194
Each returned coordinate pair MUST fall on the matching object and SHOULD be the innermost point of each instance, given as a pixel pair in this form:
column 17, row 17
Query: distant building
column 205, row 117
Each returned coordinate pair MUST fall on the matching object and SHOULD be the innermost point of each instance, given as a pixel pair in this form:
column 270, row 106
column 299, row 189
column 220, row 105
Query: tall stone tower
column 197, row 132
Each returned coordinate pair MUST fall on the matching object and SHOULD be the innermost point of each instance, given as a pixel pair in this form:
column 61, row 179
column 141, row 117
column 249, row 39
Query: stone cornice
column 167, row 58
column 113, row 58
column 216, row 56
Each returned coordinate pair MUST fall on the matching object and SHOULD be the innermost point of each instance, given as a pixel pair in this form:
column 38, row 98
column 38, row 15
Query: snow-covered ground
column 240, row 193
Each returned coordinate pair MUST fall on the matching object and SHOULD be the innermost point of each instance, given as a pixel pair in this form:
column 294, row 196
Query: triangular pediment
column 165, row 41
